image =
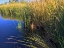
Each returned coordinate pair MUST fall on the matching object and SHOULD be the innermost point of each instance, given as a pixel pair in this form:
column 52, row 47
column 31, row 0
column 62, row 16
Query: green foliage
column 19, row 11
column 51, row 15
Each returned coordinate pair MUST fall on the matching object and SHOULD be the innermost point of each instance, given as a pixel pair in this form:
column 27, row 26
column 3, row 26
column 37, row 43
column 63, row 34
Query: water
column 14, row 35
column 9, row 28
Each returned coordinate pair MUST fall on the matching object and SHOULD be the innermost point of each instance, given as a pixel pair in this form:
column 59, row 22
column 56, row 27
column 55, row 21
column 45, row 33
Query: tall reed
column 19, row 11
column 51, row 14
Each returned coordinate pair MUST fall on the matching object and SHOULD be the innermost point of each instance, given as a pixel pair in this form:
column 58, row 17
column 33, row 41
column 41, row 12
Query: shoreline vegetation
column 45, row 16
column 12, row 8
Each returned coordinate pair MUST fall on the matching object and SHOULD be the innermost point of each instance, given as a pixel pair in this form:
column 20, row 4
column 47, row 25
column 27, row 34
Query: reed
column 19, row 11
column 10, row 9
column 50, row 14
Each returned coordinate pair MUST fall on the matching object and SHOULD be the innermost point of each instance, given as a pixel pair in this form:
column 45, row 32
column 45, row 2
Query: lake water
column 9, row 28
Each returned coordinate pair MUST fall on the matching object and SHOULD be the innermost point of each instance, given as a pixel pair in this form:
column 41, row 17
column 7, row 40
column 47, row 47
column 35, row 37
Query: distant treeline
column 16, row 1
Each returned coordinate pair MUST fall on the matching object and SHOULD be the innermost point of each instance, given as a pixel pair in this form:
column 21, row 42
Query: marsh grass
column 51, row 14
column 19, row 11
column 10, row 9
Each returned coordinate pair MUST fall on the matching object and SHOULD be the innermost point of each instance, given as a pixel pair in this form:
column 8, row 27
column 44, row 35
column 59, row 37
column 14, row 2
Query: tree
column 21, row 0
column 13, row 0
column 10, row 0
column 16, row 0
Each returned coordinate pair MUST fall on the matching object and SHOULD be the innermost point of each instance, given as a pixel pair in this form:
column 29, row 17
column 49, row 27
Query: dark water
column 9, row 28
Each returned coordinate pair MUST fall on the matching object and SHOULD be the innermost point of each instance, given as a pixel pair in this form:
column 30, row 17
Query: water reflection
column 9, row 28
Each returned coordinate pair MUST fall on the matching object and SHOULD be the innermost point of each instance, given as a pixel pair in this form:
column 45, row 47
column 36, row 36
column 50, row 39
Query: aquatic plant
column 50, row 14
column 11, row 8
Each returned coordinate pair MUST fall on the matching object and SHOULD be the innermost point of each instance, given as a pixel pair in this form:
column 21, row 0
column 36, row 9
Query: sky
column 2, row 1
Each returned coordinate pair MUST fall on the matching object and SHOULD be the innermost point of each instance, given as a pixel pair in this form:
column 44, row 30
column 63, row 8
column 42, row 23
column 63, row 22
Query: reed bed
column 12, row 9
column 19, row 11
column 51, row 14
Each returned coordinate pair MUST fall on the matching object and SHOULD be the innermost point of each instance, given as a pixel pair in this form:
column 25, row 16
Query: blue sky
column 2, row 1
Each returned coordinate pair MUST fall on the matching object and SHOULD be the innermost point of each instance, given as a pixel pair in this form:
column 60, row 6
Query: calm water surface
column 9, row 28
